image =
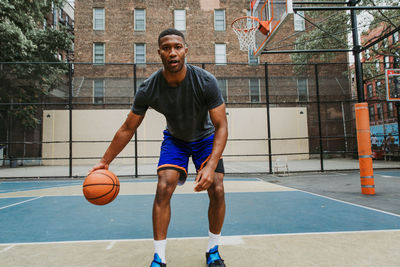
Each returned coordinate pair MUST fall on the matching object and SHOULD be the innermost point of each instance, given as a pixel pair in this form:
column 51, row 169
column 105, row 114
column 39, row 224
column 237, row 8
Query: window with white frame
column 395, row 37
column 377, row 66
column 369, row 90
column 140, row 53
column 379, row 111
column 180, row 19
column 223, row 86
column 98, row 19
column 220, row 53
column 378, row 87
column 367, row 53
column 219, row 20
column 390, row 109
column 140, row 19
column 376, row 46
column 371, row 113
column 98, row 53
column 299, row 22
column 254, row 85
column 302, row 89
column 253, row 60
column 98, row 91
column 387, row 62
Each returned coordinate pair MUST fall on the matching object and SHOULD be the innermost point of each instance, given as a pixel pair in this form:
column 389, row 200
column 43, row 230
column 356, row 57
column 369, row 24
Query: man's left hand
column 204, row 179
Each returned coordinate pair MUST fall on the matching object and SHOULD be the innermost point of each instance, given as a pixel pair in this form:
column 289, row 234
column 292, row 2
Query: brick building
column 383, row 114
column 119, row 41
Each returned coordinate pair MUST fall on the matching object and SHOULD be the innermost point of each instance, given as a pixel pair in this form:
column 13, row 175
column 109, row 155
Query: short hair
column 170, row 31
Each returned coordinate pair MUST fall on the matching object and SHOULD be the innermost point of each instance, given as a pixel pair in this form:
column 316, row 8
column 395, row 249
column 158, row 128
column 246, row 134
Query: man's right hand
column 98, row 166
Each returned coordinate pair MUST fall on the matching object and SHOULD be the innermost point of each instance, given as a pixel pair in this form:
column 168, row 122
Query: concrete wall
column 94, row 129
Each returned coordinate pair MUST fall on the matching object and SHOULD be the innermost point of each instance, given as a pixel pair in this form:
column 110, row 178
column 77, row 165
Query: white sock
column 213, row 240
column 159, row 248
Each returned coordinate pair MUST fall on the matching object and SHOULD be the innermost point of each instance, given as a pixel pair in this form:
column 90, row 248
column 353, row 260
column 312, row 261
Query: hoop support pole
column 364, row 149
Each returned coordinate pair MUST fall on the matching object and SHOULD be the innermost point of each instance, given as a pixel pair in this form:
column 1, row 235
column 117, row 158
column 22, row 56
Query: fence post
column 364, row 149
column 268, row 117
column 321, row 150
column 70, row 117
column 136, row 140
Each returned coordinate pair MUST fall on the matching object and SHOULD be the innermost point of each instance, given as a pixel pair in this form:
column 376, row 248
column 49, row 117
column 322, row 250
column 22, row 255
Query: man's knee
column 166, row 185
column 216, row 190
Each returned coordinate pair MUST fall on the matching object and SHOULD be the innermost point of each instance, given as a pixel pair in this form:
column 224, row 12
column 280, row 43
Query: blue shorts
column 175, row 155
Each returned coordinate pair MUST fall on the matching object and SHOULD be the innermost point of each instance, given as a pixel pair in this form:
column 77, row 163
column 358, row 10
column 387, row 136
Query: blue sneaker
column 157, row 262
column 214, row 259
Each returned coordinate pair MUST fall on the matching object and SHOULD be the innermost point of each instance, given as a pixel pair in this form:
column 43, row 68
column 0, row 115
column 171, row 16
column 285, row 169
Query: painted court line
column 349, row 203
column 229, row 240
column 18, row 203
column 7, row 248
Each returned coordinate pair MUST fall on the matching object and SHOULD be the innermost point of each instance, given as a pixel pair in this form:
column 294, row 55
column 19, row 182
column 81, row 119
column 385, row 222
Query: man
column 193, row 106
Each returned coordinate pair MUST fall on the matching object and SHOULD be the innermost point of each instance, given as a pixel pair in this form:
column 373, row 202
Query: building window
column 98, row 19
column 378, row 87
column 379, row 111
column 220, row 53
column 302, row 89
column 219, row 20
column 98, row 91
column 223, row 86
column 98, row 53
column 387, row 62
column 376, row 46
column 367, row 53
column 371, row 113
column 369, row 90
column 390, row 109
column 140, row 19
column 299, row 23
column 377, row 66
column 254, row 85
column 140, row 53
column 253, row 60
column 180, row 19
column 395, row 37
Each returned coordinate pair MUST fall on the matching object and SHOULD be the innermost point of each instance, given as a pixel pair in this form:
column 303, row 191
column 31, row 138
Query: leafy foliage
column 334, row 27
column 24, row 40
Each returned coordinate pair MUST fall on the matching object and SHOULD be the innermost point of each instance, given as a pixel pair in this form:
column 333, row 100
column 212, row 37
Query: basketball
column 101, row 187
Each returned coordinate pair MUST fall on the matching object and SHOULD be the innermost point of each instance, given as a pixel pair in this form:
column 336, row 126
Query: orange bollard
column 364, row 149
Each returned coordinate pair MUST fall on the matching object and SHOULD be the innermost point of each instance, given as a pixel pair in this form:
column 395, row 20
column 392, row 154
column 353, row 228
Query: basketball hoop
column 246, row 28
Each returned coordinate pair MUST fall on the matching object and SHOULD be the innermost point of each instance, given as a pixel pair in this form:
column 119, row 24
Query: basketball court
column 50, row 223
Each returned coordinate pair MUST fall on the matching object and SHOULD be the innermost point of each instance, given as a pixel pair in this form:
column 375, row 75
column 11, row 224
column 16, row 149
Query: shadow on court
column 297, row 220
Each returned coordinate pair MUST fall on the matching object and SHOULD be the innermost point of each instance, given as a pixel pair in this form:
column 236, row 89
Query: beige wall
column 101, row 125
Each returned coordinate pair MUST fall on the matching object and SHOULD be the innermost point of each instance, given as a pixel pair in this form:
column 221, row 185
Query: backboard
column 274, row 11
column 392, row 84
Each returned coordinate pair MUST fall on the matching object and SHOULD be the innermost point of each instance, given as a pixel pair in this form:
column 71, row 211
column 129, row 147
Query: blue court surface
column 30, row 213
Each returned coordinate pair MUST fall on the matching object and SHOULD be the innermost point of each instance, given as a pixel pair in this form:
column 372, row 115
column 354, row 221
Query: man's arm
column 120, row 140
column 205, row 177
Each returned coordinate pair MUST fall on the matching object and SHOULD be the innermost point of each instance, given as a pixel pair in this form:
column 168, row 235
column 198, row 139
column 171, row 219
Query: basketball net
column 245, row 29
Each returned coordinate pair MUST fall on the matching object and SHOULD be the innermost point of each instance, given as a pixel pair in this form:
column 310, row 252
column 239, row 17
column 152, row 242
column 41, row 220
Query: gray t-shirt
column 186, row 106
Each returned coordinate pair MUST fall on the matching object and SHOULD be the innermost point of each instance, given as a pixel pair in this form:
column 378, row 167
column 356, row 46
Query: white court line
column 229, row 239
column 349, row 203
column 112, row 243
column 18, row 203
column 7, row 248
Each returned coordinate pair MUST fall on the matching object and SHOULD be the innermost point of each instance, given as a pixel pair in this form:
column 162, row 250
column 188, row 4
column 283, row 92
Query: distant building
column 383, row 114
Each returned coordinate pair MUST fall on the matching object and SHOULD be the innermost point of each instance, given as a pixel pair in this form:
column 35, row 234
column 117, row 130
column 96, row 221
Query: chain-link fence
column 65, row 115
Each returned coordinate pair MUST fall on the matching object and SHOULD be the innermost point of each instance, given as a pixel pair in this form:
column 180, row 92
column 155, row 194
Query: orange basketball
column 101, row 187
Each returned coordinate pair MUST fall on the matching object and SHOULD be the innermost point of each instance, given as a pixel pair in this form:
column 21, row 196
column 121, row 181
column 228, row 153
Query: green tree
column 24, row 38
column 334, row 27
column 387, row 21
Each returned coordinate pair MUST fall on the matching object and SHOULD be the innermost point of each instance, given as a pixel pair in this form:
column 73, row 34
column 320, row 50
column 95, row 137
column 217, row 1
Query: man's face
column 172, row 50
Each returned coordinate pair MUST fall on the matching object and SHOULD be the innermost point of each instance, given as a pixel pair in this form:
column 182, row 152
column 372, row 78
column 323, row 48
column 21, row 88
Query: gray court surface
column 315, row 219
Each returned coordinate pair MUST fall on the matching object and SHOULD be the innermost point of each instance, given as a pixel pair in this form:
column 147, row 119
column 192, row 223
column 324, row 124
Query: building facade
column 383, row 114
